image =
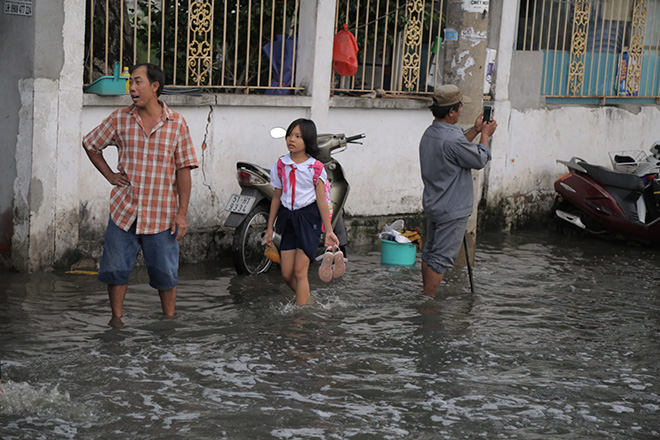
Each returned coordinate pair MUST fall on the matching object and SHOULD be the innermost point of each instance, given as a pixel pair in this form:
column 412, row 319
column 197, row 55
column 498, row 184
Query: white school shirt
column 305, row 191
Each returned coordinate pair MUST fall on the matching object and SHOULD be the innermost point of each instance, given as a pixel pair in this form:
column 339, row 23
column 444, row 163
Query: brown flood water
column 559, row 340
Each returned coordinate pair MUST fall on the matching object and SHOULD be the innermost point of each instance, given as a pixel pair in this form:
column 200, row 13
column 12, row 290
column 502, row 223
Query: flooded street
column 561, row 340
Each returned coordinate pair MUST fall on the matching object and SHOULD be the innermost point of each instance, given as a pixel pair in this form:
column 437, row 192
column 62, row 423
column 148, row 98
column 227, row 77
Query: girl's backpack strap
column 281, row 174
column 318, row 169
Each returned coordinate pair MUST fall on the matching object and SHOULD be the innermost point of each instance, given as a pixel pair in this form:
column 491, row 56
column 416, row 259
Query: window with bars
column 399, row 45
column 224, row 46
column 249, row 46
column 594, row 48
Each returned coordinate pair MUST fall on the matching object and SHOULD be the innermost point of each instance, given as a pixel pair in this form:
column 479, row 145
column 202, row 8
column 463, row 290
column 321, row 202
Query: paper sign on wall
column 478, row 6
column 451, row 35
column 18, row 7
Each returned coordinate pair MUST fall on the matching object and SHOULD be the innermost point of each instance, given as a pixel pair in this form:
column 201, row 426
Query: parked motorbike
column 624, row 202
column 249, row 210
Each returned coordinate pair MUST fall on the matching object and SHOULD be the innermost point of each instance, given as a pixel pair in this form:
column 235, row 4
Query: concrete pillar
column 314, row 60
column 69, row 136
column 503, row 63
column 48, row 147
column 16, row 47
column 465, row 57
column 464, row 63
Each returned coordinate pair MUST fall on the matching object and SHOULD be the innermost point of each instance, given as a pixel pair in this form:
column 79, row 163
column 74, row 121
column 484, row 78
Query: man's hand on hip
column 119, row 179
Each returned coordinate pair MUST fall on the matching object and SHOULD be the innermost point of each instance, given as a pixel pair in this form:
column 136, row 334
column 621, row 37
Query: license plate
column 240, row 204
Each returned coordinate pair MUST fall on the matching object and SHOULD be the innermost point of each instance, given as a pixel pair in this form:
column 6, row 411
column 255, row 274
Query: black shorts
column 300, row 229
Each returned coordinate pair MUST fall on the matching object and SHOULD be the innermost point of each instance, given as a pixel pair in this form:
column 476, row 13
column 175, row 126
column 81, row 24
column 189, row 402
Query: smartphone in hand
column 488, row 113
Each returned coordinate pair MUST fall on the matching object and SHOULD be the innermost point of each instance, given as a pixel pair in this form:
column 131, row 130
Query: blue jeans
column 160, row 251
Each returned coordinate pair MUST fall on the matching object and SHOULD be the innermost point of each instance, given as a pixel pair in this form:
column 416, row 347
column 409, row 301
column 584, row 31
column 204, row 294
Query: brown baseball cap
column 448, row 94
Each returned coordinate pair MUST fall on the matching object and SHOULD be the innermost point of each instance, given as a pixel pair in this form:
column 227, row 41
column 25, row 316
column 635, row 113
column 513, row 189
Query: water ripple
column 559, row 341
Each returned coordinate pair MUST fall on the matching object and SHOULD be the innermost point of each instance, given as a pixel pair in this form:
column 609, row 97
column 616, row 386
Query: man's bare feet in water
column 116, row 322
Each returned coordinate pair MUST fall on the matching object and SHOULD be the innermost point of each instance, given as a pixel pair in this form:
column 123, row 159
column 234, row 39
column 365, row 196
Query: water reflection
column 559, row 341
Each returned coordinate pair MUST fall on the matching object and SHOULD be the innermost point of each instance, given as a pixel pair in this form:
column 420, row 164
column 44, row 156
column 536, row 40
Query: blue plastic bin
column 397, row 254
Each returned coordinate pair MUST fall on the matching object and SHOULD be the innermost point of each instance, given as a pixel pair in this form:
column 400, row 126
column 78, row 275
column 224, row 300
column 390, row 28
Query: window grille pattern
column 399, row 45
column 239, row 46
column 594, row 48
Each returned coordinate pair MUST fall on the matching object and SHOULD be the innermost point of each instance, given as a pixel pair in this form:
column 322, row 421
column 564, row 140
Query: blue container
column 397, row 254
column 109, row 85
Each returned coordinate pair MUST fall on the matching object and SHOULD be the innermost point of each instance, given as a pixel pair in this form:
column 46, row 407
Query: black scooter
column 249, row 210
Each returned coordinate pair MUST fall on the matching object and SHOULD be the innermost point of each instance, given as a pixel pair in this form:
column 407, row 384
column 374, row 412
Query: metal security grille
column 398, row 42
column 240, row 46
column 594, row 48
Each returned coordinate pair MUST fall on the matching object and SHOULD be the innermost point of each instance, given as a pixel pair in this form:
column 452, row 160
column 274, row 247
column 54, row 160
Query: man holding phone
column 447, row 158
column 488, row 113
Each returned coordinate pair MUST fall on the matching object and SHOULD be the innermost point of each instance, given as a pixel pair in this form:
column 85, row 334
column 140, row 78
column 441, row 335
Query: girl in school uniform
column 301, row 208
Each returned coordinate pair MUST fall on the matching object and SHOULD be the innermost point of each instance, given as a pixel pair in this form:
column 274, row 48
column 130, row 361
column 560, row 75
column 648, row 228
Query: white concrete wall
column 529, row 142
column 383, row 172
column 524, row 157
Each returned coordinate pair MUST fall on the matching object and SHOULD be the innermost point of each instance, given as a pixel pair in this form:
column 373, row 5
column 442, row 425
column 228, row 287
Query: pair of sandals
column 333, row 264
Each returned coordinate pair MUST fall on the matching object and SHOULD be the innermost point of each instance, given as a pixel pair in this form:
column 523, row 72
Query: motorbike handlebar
column 355, row 137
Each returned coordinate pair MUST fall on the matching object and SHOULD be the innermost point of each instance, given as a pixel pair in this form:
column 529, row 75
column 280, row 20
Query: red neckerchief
column 292, row 179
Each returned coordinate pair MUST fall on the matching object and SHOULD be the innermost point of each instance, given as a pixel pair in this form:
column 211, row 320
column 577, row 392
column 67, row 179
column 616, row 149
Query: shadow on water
column 560, row 340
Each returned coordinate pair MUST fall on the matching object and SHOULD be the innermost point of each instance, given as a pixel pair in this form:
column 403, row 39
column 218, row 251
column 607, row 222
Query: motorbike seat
column 253, row 167
column 625, row 181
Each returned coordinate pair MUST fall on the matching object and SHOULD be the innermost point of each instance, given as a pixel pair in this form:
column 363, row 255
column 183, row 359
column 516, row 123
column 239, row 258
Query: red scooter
column 610, row 204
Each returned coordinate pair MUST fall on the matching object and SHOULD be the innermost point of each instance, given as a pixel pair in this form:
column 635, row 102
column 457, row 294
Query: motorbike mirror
column 277, row 132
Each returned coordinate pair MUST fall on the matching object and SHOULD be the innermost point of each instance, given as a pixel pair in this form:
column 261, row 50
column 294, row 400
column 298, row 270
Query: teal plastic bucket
column 109, row 85
column 397, row 254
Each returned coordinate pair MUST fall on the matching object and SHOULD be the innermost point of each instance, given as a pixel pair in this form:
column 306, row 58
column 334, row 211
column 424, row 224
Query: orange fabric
column 344, row 53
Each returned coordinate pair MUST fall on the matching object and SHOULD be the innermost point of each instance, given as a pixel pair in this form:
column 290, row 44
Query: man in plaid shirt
column 149, row 201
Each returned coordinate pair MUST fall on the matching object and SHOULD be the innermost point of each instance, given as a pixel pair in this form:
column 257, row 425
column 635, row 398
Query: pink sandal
column 339, row 267
column 325, row 271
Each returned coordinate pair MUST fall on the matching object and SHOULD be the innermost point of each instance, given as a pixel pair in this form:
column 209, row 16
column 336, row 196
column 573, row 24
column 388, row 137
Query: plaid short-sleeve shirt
column 150, row 161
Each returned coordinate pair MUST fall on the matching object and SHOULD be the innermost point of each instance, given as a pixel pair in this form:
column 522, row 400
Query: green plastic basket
column 109, row 85
column 397, row 254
